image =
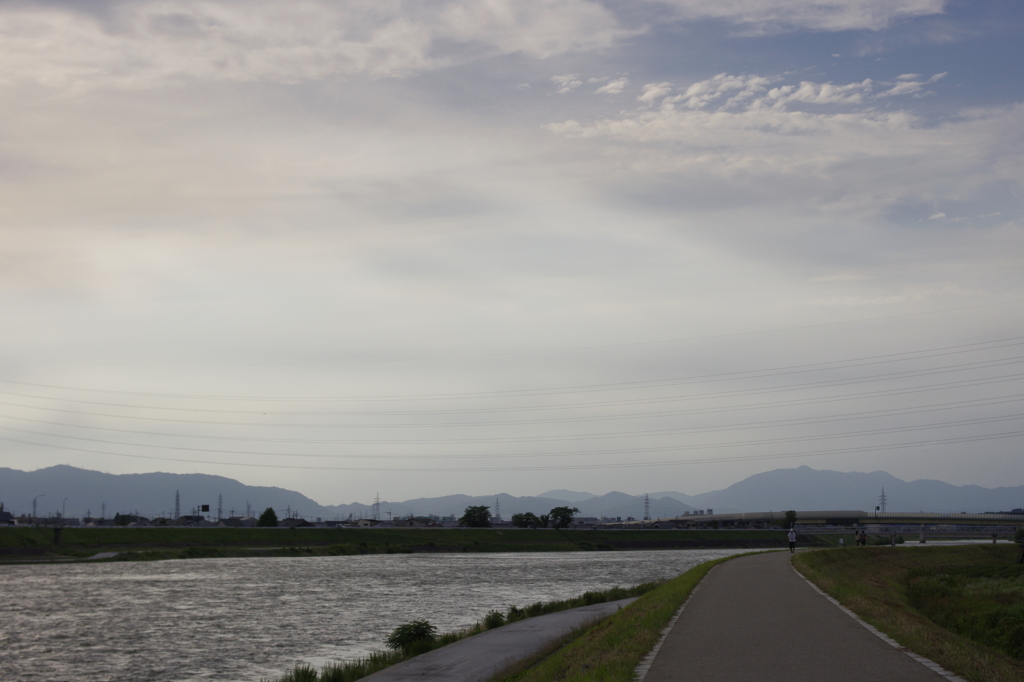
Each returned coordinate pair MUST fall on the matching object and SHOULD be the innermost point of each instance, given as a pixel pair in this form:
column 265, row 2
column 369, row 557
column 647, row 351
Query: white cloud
column 566, row 83
column 144, row 43
column 768, row 16
column 910, row 84
column 734, row 131
column 615, row 87
column 653, row 91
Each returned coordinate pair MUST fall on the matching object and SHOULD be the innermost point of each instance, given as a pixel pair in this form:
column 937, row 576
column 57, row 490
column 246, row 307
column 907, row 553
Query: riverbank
column 900, row 592
column 381, row 660
column 148, row 544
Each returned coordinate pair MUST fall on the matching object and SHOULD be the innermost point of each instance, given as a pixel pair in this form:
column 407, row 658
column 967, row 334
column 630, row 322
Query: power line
column 985, row 364
column 723, row 376
column 774, row 423
column 606, row 417
column 588, row 466
column 589, row 453
column 566, row 349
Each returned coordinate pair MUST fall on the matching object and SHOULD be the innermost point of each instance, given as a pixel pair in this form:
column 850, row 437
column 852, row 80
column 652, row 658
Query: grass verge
column 612, row 649
column 349, row 671
column 875, row 582
column 27, row 544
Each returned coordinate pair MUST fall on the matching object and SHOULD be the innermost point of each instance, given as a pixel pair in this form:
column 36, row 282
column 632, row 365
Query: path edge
column 926, row 662
column 644, row 666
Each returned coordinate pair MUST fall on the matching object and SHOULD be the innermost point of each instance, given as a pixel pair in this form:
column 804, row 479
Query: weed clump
column 412, row 636
column 494, row 619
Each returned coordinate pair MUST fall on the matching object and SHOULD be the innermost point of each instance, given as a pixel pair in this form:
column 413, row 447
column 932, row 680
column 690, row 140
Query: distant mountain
column 685, row 499
column 153, row 495
column 567, row 495
column 804, row 488
column 150, row 494
column 620, row 504
column 801, row 488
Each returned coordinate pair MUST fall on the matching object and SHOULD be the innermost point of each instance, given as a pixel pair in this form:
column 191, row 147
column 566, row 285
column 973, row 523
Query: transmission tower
column 103, row 510
column 647, row 507
column 220, row 507
column 497, row 508
column 882, row 499
column 177, row 505
column 376, row 508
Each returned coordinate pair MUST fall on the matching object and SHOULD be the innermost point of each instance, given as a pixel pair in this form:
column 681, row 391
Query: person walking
column 792, row 540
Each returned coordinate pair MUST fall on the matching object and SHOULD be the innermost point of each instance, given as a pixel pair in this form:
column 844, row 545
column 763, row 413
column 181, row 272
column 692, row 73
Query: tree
column 476, row 517
column 268, row 519
column 562, row 516
column 543, row 520
column 526, row 520
column 791, row 519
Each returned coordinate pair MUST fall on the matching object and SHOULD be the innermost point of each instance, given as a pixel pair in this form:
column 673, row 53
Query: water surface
column 243, row 619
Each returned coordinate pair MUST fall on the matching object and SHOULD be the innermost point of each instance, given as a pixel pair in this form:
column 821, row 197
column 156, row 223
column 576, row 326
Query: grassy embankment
column 378, row 660
column 611, row 650
column 176, row 543
column 975, row 591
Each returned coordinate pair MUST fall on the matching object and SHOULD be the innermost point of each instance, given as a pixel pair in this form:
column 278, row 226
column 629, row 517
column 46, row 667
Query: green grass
column 878, row 584
column 378, row 660
column 983, row 603
column 163, row 543
column 611, row 650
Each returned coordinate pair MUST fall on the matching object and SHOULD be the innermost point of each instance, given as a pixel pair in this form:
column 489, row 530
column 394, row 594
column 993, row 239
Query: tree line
column 480, row 517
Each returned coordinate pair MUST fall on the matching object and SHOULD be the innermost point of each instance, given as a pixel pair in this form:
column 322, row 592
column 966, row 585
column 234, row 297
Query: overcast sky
column 423, row 248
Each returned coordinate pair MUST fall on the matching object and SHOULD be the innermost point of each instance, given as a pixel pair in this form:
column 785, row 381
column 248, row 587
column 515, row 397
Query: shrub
column 494, row 619
column 409, row 636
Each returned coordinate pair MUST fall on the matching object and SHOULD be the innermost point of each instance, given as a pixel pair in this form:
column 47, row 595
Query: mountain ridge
column 803, row 488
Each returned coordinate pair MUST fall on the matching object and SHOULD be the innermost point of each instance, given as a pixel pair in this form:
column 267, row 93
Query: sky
column 466, row 246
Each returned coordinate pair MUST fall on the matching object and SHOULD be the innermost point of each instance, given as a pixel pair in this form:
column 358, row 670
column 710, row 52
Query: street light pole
column 34, row 506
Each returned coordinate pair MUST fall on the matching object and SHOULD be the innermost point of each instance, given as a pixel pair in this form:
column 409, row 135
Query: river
column 243, row 619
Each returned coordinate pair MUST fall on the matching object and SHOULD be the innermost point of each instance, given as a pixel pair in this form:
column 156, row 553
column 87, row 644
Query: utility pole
column 220, row 507
column 177, row 505
column 647, row 507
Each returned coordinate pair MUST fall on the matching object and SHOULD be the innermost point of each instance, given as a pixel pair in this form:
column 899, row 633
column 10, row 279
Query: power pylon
column 647, row 507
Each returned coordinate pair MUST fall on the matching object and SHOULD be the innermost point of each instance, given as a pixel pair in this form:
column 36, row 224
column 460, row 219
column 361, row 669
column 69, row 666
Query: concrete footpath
column 482, row 656
column 754, row 618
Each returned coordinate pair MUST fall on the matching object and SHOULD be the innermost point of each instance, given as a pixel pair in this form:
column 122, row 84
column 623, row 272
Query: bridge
column 838, row 521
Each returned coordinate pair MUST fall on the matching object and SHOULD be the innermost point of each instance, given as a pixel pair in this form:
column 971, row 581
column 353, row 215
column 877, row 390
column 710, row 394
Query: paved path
column 481, row 656
column 754, row 618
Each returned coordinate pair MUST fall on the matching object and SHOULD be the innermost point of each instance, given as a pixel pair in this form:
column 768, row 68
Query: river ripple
column 243, row 619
